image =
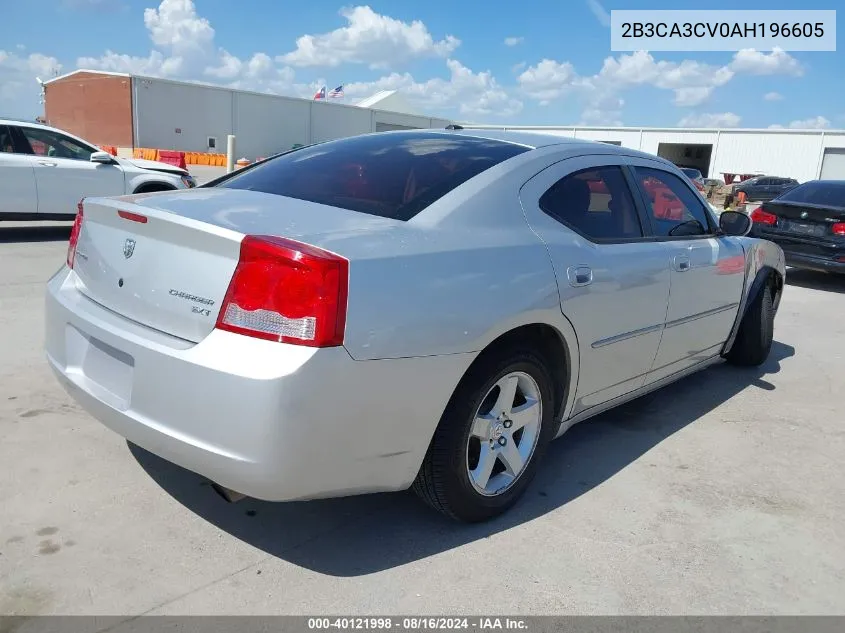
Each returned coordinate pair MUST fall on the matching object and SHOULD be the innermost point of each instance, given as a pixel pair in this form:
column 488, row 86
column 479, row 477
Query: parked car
column 44, row 172
column 764, row 188
column 808, row 223
column 695, row 176
column 423, row 309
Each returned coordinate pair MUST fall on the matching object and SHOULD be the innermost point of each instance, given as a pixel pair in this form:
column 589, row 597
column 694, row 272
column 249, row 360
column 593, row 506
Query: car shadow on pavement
column 20, row 234
column 365, row 534
column 829, row 282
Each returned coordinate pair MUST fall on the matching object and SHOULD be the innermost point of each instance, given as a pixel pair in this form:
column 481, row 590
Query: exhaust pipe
column 229, row 495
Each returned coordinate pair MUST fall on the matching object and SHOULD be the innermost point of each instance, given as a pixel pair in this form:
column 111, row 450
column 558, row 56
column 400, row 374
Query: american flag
column 337, row 92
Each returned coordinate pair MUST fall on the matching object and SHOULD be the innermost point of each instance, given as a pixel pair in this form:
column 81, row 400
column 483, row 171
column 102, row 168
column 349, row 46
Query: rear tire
column 480, row 434
column 756, row 332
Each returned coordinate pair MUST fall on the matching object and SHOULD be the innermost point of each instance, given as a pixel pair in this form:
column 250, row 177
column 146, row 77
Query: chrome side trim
column 701, row 315
column 622, row 337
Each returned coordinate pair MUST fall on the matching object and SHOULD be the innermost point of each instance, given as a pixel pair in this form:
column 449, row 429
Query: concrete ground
column 722, row 494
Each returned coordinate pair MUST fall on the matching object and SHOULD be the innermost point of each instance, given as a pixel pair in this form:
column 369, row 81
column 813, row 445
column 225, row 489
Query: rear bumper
column 272, row 421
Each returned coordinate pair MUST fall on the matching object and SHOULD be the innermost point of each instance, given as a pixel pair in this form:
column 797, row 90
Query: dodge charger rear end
column 393, row 309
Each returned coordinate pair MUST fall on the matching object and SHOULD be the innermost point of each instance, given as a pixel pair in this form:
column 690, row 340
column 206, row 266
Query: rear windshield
column 829, row 194
column 392, row 175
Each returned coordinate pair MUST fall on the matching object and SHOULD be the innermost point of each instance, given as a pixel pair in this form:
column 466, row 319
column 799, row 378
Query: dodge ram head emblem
column 804, row 215
column 128, row 248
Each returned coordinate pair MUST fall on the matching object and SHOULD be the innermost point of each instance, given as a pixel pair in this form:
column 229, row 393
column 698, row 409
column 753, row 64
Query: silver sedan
column 423, row 309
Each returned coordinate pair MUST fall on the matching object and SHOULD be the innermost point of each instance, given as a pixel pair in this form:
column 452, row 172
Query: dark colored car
column 808, row 223
column 695, row 176
column 764, row 188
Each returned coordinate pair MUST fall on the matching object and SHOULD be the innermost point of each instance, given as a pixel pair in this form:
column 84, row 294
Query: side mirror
column 102, row 157
column 734, row 223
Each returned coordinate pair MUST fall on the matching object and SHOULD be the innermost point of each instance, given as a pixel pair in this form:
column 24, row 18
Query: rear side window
column 596, row 203
column 392, row 175
column 821, row 193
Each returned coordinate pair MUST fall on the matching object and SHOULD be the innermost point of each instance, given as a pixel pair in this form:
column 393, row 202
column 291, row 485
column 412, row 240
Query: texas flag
column 321, row 93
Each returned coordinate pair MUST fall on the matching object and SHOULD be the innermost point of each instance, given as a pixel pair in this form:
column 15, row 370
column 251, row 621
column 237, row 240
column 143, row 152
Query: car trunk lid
column 805, row 228
column 165, row 260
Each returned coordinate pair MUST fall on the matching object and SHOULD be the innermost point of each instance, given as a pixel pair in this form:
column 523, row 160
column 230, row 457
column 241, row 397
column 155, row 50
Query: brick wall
column 95, row 107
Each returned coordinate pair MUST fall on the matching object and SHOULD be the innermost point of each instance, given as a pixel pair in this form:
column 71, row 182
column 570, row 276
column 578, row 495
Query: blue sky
column 533, row 62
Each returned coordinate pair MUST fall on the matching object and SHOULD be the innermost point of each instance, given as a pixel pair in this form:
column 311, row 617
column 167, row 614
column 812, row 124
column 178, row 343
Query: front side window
column 54, row 145
column 596, row 203
column 675, row 210
column 393, row 175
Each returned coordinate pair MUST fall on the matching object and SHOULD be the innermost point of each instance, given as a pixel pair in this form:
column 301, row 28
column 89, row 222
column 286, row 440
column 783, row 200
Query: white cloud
column 547, row 80
column 599, row 11
column 370, row 38
column 691, row 82
column 814, row 123
column 513, row 41
column 778, row 62
column 516, row 68
column 184, row 47
column 18, row 89
column 471, row 93
column 723, row 119
column 772, row 96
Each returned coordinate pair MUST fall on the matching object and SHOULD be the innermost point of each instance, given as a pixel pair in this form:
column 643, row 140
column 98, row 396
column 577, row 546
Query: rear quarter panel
column 455, row 277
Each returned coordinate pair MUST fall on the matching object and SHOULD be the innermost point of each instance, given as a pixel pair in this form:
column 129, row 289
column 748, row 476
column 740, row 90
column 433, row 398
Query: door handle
column 47, row 163
column 579, row 276
column 681, row 263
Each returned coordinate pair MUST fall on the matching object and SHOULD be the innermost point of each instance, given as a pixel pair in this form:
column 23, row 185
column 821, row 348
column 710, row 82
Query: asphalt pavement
column 722, row 494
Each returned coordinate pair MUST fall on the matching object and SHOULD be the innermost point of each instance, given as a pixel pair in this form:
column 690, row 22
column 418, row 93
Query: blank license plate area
column 107, row 371
column 803, row 228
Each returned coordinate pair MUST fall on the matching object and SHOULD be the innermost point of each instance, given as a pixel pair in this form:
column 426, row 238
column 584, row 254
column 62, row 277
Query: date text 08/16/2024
column 416, row 623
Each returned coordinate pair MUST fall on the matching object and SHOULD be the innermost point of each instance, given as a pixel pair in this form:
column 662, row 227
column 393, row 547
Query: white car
column 45, row 172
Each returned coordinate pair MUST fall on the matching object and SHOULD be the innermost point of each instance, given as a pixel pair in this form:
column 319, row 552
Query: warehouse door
column 833, row 164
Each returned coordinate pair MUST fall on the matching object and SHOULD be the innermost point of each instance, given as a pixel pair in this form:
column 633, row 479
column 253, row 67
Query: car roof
column 26, row 123
column 538, row 140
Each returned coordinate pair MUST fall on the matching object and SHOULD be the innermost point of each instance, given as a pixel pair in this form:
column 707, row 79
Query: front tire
column 756, row 332
column 491, row 438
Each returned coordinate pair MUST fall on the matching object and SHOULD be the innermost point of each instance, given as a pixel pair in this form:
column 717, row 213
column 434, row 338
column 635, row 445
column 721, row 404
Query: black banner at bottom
column 296, row 624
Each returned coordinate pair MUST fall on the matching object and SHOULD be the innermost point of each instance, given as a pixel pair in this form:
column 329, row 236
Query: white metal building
column 135, row 111
column 185, row 116
column 800, row 154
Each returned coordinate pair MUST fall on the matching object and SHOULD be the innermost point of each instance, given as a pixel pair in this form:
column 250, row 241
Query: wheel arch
column 557, row 349
column 766, row 275
column 152, row 186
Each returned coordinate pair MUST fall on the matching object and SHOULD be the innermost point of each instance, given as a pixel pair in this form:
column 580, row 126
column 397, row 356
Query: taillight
column 74, row 235
column 763, row 217
column 838, row 228
column 286, row 291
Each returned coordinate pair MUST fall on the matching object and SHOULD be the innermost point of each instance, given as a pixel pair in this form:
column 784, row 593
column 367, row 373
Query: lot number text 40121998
column 416, row 623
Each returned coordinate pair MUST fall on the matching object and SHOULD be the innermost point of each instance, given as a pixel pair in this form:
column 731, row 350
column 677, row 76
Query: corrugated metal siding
column 787, row 155
column 263, row 124
column 266, row 125
column 329, row 121
column 795, row 154
column 162, row 107
column 628, row 138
